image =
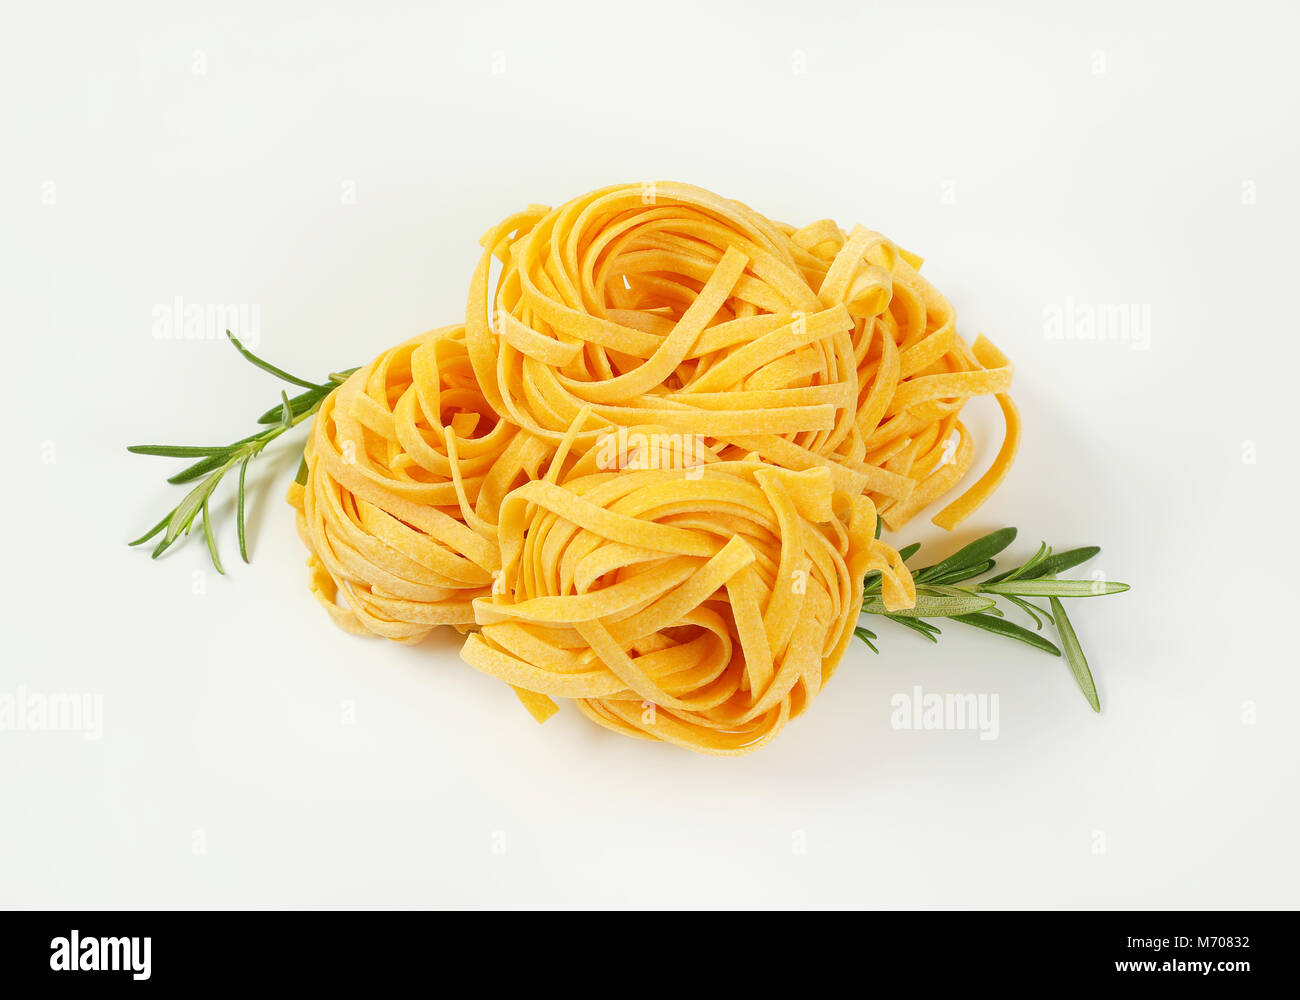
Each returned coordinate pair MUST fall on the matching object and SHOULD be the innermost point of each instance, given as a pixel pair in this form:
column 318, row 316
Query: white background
column 1119, row 154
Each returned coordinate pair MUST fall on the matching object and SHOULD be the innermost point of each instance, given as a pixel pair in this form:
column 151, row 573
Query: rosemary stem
column 950, row 590
column 214, row 462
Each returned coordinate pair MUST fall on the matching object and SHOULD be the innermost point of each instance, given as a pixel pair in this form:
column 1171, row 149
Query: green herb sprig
column 214, row 461
column 944, row 590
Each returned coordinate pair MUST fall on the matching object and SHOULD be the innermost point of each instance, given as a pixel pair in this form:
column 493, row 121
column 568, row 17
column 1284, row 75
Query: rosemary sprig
column 938, row 595
column 214, row 461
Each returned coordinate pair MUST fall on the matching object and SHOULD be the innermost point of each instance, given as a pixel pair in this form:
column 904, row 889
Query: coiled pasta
column 704, row 612
column 647, row 473
column 668, row 304
column 406, row 470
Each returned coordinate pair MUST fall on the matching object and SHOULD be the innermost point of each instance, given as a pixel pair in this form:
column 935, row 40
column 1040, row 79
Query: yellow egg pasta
column 406, row 470
column 706, row 612
column 647, row 473
column 667, row 304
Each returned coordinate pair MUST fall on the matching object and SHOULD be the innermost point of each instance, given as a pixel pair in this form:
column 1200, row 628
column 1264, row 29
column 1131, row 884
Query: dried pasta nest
column 406, row 469
column 667, row 304
column 705, row 611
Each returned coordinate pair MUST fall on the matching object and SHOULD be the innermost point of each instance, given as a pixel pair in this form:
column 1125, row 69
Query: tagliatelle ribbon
column 647, row 472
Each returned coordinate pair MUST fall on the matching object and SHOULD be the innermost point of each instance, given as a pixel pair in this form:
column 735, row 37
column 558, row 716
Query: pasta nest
column 406, row 468
column 705, row 612
column 668, row 304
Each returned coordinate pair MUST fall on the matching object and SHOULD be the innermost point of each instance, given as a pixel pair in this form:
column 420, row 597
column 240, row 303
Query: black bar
column 376, row 949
